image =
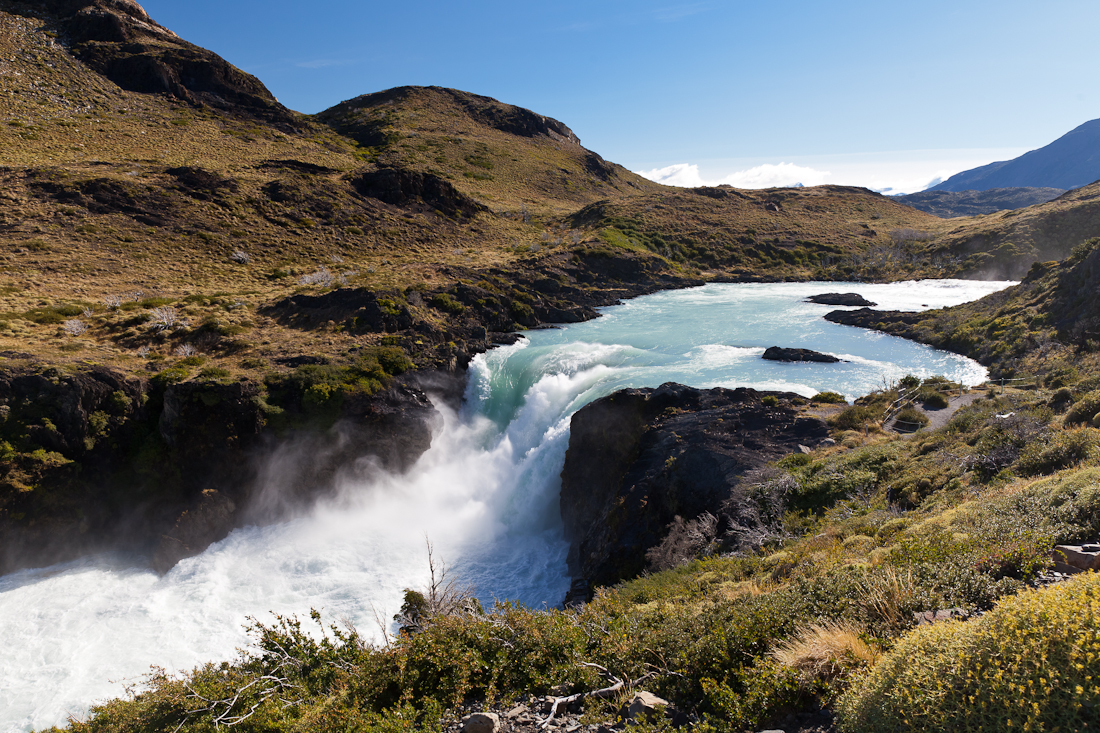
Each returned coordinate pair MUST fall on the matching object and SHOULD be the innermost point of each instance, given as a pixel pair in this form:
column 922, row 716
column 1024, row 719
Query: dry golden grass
column 827, row 650
column 437, row 131
column 889, row 594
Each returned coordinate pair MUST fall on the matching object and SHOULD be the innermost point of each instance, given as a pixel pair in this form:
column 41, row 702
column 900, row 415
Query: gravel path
column 940, row 417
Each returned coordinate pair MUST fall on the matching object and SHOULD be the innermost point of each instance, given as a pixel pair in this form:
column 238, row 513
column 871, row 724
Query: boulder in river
column 841, row 299
column 778, row 353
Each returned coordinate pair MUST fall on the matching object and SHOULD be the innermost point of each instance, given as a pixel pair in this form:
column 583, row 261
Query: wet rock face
column 841, row 299
column 778, row 353
column 92, row 460
column 640, row 457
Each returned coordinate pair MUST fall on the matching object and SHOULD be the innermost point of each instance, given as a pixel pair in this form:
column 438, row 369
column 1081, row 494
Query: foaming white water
column 486, row 493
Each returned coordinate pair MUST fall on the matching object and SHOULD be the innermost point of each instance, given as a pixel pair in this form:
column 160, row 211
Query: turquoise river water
column 486, row 493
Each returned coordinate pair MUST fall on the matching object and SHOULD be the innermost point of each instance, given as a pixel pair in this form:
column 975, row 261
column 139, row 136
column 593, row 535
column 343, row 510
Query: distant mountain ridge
column 950, row 204
column 1071, row 161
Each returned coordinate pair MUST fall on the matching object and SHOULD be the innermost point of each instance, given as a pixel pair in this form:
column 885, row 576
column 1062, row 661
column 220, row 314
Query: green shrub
column 1065, row 508
column 214, row 373
column 1065, row 448
column 1061, row 377
column 1084, row 409
column 325, row 386
column 855, row 417
column 910, row 419
column 1033, row 663
column 934, row 400
column 828, row 398
column 391, row 358
column 522, row 311
column 171, row 375
column 909, row 381
column 446, row 303
column 769, row 400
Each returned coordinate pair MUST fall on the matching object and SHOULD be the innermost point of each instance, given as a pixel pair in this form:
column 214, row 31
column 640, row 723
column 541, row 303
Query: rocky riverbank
column 100, row 461
column 640, row 458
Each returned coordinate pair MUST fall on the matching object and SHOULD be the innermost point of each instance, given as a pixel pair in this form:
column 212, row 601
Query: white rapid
column 486, row 493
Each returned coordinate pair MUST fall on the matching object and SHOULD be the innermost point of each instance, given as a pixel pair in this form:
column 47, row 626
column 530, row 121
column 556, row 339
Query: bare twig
column 616, row 685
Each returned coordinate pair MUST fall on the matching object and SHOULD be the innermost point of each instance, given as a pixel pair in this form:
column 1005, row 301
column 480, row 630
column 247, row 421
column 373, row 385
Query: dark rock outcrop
column 866, row 317
column 412, row 189
column 119, row 40
column 92, row 460
column 778, row 353
column 640, row 457
column 841, row 299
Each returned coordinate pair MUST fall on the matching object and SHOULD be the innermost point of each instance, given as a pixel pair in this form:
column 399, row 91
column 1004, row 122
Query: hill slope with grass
column 1048, row 323
column 1005, row 244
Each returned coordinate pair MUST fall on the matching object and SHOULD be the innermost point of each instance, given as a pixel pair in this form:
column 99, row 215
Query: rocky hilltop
column 118, row 39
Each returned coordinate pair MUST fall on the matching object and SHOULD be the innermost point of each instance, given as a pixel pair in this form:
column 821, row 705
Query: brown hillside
column 823, row 232
column 507, row 157
column 209, row 198
column 1005, row 244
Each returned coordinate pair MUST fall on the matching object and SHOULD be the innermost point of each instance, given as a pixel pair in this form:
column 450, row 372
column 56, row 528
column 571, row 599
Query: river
column 485, row 494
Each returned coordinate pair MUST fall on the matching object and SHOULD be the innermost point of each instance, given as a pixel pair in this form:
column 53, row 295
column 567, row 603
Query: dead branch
column 617, row 684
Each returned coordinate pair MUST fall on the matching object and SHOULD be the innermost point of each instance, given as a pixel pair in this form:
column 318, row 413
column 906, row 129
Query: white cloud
column 768, row 175
column 892, row 173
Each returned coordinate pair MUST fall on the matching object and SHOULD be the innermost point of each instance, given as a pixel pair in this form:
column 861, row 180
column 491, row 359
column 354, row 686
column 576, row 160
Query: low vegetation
column 818, row 613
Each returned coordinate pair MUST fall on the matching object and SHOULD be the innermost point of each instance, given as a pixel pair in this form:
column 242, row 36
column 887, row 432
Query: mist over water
column 486, row 493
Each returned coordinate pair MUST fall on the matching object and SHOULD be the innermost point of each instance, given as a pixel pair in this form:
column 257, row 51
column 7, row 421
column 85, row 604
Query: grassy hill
column 1047, row 326
column 1005, row 244
column 506, row 157
column 164, row 217
column 177, row 198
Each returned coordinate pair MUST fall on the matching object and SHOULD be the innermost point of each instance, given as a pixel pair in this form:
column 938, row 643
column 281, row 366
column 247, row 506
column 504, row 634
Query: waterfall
column 485, row 494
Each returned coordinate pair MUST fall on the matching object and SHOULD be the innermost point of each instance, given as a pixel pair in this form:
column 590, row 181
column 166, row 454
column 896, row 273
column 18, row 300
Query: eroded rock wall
column 93, row 460
column 640, row 457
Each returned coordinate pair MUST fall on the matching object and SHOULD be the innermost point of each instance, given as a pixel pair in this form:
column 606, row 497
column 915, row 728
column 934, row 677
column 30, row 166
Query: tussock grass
column 824, row 651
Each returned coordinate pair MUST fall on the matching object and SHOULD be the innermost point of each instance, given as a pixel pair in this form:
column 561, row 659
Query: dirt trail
column 940, row 417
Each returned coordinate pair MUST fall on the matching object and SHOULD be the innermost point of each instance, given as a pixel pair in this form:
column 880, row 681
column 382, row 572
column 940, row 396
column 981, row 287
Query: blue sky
column 867, row 93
